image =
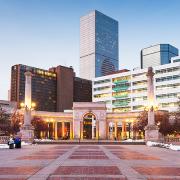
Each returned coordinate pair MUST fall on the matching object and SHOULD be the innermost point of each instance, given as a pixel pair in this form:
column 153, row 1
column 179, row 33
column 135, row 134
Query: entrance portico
column 89, row 115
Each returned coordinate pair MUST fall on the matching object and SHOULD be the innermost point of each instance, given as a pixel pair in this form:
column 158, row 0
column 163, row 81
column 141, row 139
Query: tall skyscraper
column 157, row 55
column 52, row 90
column 98, row 45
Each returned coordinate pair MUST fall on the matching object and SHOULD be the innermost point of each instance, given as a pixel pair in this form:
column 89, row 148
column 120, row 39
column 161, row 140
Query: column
column 55, row 130
column 115, row 130
column 63, row 129
column 81, row 129
column 97, row 129
column 132, row 128
column 107, row 129
column 150, row 96
column 123, row 135
column 92, row 132
column 151, row 130
column 27, row 112
column 71, row 130
column 28, row 77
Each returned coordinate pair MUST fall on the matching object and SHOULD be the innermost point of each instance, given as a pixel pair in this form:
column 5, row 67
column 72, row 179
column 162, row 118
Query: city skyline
column 36, row 33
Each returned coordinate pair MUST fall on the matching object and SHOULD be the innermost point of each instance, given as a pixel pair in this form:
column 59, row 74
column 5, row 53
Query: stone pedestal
column 27, row 133
column 151, row 133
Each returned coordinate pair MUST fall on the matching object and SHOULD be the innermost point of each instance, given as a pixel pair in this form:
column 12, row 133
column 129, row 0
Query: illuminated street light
column 23, row 106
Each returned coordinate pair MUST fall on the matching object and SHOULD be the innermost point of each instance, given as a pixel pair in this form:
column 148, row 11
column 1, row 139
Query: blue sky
column 45, row 33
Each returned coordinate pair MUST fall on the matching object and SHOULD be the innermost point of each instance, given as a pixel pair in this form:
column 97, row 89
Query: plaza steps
column 110, row 142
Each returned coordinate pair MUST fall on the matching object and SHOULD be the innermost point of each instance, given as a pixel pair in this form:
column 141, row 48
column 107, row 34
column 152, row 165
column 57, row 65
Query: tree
column 39, row 126
column 16, row 121
column 161, row 120
column 5, row 123
column 176, row 118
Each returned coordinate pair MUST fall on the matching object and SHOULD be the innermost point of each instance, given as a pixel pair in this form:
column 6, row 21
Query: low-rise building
column 8, row 106
column 127, row 91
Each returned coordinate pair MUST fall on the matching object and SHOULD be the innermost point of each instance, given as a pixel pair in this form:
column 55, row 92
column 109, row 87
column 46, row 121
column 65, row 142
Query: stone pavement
column 89, row 162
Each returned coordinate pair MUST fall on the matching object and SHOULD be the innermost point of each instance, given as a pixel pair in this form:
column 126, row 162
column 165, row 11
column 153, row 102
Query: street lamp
column 25, row 107
column 151, row 107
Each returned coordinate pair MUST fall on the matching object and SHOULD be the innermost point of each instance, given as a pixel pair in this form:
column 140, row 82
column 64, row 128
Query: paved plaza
column 89, row 162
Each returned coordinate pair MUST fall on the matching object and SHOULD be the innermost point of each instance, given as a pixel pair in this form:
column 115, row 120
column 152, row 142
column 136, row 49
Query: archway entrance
column 88, row 121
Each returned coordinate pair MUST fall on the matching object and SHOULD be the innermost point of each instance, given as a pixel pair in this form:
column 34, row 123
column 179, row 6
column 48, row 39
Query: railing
column 120, row 96
column 4, row 139
column 122, row 88
column 120, row 81
column 170, row 139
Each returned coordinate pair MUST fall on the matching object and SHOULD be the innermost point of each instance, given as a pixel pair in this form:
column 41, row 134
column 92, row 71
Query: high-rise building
column 52, row 90
column 157, row 55
column 98, row 45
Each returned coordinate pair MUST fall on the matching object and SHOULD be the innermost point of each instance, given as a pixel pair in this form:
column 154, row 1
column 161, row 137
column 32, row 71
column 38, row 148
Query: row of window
column 102, row 95
column 102, row 88
column 173, row 69
column 172, row 95
column 144, row 98
column 102, row 81
column 168, row 86
column 168, row 78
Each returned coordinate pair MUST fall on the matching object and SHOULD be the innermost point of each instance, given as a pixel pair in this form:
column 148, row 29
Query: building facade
column 89, row 121
column 157, row 55
column 52, row 90
column 98, row 45
column 127, row 91
column 175, row 59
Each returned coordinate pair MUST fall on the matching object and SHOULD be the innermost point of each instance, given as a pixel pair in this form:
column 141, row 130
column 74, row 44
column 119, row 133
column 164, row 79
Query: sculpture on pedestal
column 27, row 130
column 151, row 130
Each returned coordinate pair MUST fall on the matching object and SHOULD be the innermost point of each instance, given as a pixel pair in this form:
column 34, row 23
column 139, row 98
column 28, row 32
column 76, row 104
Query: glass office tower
column 157, row 55
column 98, row 45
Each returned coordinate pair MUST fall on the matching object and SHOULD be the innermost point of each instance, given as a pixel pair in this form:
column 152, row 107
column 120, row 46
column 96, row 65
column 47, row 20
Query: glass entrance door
column 87, row 126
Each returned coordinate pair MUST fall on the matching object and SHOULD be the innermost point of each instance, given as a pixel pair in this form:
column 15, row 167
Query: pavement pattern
column 89, row 162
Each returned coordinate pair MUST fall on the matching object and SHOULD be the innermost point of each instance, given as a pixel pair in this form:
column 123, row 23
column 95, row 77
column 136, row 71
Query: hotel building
column 126, row 91
column 53, row 90
column 98, row 45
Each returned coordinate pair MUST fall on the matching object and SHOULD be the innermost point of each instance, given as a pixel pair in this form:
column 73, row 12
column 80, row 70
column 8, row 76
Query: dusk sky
column 45, row 33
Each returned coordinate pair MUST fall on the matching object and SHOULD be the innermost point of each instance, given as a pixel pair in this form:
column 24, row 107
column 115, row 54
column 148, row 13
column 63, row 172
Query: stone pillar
column 151, row 130
column 76, row 128
column 71, row 130
column 27, row 130
column 55, row 130
column 115, row 130
column 107, row 130
column 81, row 129
column 124, row 135
column 63, row 129
column 93, row 132
column 97, row 129
column 93, row 126
column 102, row 129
